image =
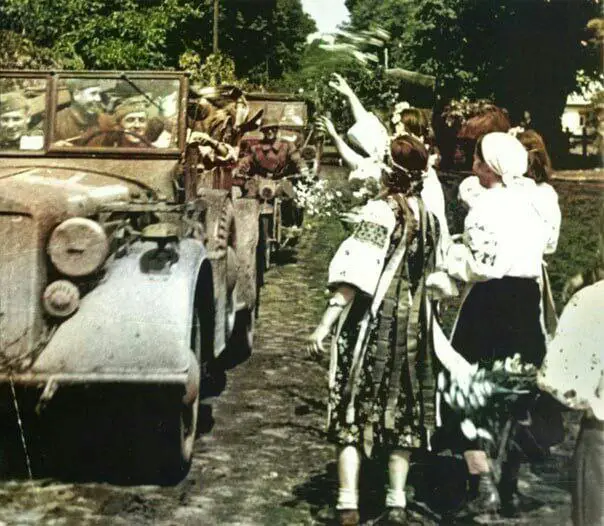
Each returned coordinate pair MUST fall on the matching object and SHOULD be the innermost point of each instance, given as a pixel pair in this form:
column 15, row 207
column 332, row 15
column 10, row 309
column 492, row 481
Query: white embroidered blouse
column 503, row 236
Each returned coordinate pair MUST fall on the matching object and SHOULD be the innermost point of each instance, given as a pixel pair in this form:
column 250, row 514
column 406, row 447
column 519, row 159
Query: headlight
column 266, row 191
column 78, row 247
column 61, row 298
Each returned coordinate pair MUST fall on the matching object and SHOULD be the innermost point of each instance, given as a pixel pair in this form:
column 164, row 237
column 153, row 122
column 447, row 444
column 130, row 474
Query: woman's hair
column 410, row 159
column 539, row 163
column 414, row 122
column 460, row 125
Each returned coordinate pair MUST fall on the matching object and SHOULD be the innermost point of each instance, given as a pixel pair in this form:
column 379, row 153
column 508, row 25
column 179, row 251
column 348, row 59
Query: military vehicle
column 117, row 265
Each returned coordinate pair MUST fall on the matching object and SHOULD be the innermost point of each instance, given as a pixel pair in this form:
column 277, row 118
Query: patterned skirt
column 412, row 418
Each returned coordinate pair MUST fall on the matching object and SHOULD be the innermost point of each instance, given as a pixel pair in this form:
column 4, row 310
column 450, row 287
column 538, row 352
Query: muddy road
column 263, row 458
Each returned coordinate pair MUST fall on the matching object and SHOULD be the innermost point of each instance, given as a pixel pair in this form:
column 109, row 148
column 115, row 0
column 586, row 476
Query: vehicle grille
column 19, row 286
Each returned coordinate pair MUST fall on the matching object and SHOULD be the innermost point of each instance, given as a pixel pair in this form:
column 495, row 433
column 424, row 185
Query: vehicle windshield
column 286, row 113
column 22, row 113
column 123, row 112
column 105, row 111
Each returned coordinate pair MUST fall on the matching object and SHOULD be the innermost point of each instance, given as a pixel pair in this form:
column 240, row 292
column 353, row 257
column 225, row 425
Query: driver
column 132, row 118
column 272, row 157
column 83, row 112
column 14, row 120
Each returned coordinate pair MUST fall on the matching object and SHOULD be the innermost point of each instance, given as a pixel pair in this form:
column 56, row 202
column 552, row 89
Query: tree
column 264, row 40
column 521, row 54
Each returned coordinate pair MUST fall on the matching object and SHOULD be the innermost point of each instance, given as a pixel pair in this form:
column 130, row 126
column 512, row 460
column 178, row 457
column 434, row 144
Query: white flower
column 469, row 429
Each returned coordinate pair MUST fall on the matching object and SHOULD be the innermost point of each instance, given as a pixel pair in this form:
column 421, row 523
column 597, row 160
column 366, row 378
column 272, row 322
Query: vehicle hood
column 33, row 184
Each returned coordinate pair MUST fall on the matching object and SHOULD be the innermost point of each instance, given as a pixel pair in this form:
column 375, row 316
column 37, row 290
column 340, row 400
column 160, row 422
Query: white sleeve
column 371, row 135
column 470, row 189
column 359, row 260
column 574, row 362
column 484, row 253
column 367, row 168
column 551, row 215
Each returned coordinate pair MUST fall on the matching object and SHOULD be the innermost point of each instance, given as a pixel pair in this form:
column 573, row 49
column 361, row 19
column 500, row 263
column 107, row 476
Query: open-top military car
column 117, row 266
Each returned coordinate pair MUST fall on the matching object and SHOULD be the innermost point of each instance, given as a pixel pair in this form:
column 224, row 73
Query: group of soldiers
column 93, row 119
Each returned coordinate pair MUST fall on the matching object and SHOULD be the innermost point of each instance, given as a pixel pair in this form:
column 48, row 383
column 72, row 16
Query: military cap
column 83, row 83
column 12, row 101
column 269, row 122
column 131, row 105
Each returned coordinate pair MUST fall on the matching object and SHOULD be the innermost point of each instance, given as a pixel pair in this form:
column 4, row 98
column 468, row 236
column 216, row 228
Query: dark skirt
column 500, row 318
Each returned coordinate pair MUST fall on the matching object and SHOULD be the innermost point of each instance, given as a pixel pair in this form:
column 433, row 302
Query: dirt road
column 265, row 460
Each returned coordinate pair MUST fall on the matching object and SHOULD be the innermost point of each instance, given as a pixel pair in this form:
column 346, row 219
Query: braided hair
column 403, row 175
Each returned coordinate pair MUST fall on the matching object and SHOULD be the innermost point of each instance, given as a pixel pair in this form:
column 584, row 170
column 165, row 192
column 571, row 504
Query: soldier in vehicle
column 83, row 112
column 14, row 120
column 272, row 157
column 132, row 119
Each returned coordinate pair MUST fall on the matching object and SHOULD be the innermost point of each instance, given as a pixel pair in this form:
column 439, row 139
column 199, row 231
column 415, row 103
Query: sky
column 327, row 13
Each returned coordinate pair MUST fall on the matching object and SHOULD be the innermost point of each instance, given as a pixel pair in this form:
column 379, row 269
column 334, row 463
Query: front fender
column 135, row 323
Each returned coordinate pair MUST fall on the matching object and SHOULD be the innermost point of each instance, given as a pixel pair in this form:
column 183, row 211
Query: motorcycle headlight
column 78, row 247
column 266, row 191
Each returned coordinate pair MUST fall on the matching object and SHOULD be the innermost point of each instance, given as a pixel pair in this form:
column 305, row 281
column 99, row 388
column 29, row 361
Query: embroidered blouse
column 503, row 236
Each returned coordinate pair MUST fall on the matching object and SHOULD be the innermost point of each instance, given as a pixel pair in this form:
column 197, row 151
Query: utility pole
column 215, row 33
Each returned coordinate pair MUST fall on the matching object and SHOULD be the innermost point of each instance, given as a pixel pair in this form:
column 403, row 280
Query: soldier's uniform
column 73, row 121
column 273, row 159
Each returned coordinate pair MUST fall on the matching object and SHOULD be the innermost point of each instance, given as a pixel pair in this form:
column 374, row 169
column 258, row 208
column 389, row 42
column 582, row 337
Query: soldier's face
column 134, row 123
column 13, row 125
column 270, row 134
column 89, row 99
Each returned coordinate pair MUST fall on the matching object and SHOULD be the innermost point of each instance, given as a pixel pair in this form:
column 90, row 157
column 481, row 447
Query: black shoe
column 510, row 505
column 486, row 500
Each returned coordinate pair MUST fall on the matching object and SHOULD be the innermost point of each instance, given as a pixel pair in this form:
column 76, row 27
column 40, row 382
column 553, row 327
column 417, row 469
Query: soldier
column 131, row 117
column 82, row 115
column 272, row 157
column 14, row 120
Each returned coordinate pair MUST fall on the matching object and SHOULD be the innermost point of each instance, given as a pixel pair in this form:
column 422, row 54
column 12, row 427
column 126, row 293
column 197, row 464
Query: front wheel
column 266, row 231
column 179, row 428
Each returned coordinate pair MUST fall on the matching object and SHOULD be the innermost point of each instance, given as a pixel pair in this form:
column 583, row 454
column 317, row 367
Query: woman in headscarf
column 381, row 382
column 500, row 259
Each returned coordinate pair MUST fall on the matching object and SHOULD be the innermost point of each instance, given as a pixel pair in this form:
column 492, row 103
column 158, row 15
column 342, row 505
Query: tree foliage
column 263, row 40
column 521, row 54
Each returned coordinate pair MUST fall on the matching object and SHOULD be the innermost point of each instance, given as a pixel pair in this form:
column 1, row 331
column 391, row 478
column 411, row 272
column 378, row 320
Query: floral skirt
column 408, row 429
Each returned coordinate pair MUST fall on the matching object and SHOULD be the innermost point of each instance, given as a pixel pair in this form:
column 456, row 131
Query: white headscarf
column 505, row 155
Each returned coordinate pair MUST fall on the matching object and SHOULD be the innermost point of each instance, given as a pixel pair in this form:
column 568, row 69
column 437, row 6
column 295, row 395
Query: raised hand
column 325, row 125
column 339, row 84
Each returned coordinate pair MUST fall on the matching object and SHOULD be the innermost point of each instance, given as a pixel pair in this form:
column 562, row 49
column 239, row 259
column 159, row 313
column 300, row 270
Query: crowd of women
column 389, row 279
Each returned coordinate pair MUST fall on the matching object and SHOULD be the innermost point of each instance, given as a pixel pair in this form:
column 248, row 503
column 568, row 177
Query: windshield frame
column 53, row 79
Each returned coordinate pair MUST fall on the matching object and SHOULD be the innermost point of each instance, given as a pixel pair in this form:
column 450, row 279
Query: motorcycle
column 278, row 211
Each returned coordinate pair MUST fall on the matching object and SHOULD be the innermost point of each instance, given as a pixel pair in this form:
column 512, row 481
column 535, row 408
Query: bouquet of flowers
column 481, row 397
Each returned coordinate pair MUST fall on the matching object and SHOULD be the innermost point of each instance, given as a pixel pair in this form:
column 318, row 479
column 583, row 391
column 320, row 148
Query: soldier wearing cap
column 272, row 157
column 82, row 114
column 14, row 119
column 132, row 118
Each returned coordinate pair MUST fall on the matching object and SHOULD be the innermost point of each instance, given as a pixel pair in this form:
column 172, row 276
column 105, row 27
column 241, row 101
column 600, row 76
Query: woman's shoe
column 486, row 501
column 397, row 516
column 348, row 518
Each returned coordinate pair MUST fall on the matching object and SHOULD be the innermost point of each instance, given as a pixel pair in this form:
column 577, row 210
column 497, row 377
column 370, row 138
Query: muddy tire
column 180, row 425
column 242, row 340
column 266, row 243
